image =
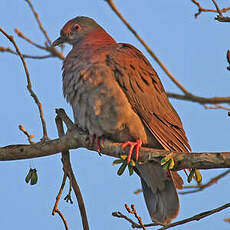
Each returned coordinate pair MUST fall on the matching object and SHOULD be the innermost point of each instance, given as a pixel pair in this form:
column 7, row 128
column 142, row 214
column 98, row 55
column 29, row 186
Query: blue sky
column 194, row 50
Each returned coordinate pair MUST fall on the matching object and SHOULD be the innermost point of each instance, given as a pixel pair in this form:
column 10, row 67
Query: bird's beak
column 59, row 41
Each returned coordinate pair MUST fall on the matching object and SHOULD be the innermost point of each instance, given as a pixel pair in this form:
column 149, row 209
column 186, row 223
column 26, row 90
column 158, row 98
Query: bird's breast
column 99, row 104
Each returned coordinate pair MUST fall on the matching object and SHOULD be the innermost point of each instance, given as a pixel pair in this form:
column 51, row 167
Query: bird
column 115, row 93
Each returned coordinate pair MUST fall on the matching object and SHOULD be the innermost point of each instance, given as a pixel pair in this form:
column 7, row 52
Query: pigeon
column 116, row 94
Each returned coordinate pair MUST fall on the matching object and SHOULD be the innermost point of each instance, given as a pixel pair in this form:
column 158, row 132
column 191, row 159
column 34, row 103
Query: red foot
column 99, row 141
column 138, row 144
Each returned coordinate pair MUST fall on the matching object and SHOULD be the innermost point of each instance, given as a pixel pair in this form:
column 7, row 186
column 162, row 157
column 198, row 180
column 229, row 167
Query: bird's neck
column 95, row 39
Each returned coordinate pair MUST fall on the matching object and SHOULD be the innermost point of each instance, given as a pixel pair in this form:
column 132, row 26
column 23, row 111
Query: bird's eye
column 76, row 27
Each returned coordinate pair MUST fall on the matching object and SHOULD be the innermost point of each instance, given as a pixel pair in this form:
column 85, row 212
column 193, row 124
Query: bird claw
column 99, row 141
column 126, row 159
column 100, row 144
column 136, row 144
column 168, row 162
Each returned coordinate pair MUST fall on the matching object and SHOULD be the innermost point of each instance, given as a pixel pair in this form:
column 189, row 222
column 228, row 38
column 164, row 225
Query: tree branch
column 76, row 138
column 67, row 168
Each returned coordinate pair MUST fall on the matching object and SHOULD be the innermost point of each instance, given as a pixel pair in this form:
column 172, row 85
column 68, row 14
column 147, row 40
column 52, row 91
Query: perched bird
column 115, row 93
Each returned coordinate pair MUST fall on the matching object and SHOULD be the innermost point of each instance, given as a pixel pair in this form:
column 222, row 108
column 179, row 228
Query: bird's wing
column 147, row 96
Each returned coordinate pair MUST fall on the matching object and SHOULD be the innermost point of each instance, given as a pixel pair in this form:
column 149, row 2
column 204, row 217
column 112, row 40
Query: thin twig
column 3, row 49
column 217, row 107
column 196, row 217
column 137, row 191
column 39, row 22
column 133, row 211
column 29, row 137
column 133, row 223
column 227, row 220
column 184, row 221
column 201, row 9
column 62, row 217
column 51, row 49
column 217, row 8
column 54, row 52
column 201, row 187
column 187, row 95
column 220, row 17
column 68, row 196
column 55, row 209
column 59, row 193
column 114, row 8
column 62, row 114
column 69, row 172
column 21, row 35
column 29, row 85
column 120, row 215
column 201, row 100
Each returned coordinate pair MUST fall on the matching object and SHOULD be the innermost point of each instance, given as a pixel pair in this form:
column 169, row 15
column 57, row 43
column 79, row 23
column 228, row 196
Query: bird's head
column 75, row 29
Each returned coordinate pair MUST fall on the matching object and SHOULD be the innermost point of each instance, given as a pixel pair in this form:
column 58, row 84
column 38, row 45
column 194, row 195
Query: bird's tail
column 159, row 192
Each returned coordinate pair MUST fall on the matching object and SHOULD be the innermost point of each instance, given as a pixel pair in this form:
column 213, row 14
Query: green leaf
column 123, row 157
column 167, row 164
column 171, row 164
column 130, row 167
column 119, row 161
column 28, row 176
column 132, row 163
column 165, row 159
column 190, row 176
column 198, row 176
column 34, row 177
column 121, row 169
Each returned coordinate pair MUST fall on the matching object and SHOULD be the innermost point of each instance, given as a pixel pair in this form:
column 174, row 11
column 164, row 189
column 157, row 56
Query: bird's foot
column 194, row 173
column 136, row 144
column 168, row 162
column 126, row 159
column 99, row 141
column 100, row 144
